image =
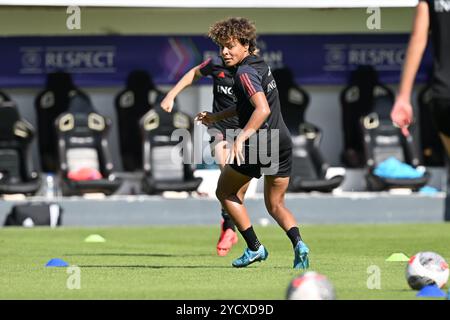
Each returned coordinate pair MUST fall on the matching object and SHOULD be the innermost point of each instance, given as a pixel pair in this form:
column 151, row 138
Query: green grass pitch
column 181, row 263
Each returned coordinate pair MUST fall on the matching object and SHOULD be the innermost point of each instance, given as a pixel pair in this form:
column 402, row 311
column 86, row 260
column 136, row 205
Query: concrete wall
column 52, row 20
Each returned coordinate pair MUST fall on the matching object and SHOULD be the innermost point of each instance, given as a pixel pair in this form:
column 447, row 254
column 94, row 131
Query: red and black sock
column 227, row 221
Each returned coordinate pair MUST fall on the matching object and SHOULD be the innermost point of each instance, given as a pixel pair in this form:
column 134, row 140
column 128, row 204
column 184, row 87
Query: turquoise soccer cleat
column 301, row 260
column 250, row 256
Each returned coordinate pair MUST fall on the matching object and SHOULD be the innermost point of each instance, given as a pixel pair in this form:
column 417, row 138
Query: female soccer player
column 223, row 99
column 434, row 16
column 258, row 109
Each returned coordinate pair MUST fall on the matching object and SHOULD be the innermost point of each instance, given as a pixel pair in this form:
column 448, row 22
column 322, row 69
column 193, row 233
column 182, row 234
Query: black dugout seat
column 382, row 140
column 49, row 104
column 358, row 100
column 84, row 157
column 168, row 165
column 309, row 168
column 433, row 152
column 294, row 99
column 4, row 97
column 17, row 173
column 139, row 96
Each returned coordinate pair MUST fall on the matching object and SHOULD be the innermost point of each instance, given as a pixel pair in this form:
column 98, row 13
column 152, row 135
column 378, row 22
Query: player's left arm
column 259, row 115
column 208, row 118
column 251, row 85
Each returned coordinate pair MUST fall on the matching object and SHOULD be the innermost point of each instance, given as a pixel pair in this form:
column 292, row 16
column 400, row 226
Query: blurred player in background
column 434, row 16
column 258, row 110
column 223, row 99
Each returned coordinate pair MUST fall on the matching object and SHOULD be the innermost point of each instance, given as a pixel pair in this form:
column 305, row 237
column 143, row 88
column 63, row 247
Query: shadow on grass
column 153, row 267
column 143, row 266
column 157, row 255
column 400, row 291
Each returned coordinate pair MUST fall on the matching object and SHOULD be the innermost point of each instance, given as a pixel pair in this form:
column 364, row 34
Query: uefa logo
column 31, row 60
column 335, row 56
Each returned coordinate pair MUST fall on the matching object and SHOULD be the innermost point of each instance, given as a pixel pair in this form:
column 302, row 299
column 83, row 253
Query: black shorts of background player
column 431, row 16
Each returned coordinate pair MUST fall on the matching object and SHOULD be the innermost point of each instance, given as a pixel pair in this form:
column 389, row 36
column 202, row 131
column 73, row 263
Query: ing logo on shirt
column 225, row 90
column 442, row 5
column 272, row 85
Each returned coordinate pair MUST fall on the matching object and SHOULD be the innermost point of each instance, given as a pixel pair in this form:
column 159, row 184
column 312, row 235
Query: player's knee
column 440, row 110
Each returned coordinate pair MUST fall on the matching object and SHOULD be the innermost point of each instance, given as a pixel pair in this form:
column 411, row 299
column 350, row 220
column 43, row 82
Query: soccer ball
column 426, row 268
column 310, row 286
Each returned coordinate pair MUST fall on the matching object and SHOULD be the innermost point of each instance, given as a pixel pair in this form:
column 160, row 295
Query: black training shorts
column 280, row 167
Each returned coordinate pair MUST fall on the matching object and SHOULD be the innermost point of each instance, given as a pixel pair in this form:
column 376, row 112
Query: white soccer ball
column 310, row 286
column 426, row 268
column 264, row 222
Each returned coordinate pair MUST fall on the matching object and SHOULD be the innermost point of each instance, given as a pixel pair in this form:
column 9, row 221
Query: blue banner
column 107, row 60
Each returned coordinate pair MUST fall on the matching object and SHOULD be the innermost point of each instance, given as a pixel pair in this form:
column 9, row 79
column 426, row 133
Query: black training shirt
column 440, row 36
column 254, row 75
column 222, row 90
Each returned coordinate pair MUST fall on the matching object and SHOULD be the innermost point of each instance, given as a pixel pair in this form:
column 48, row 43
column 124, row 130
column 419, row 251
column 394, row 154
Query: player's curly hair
column 237, row 28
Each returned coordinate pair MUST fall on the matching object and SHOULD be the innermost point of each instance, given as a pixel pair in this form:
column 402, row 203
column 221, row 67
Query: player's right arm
column 402, row 111
column 208, row 118
column 189, row 78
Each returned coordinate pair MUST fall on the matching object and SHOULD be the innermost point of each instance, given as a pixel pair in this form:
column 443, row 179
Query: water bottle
column 50, row 191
